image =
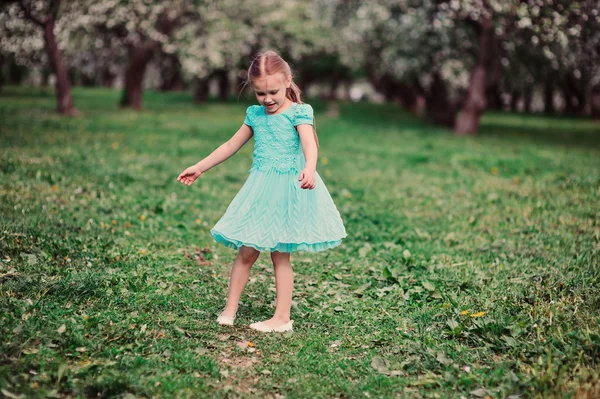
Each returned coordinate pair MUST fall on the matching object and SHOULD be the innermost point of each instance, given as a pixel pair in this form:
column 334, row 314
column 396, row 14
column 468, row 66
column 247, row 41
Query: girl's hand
column 309, row 179
column 189, row 175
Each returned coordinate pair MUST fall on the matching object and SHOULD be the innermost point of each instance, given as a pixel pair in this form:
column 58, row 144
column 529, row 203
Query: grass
column 470, row 268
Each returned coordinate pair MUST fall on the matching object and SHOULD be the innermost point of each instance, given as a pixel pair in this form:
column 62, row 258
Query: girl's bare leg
column 284, row 283
column 239, row 277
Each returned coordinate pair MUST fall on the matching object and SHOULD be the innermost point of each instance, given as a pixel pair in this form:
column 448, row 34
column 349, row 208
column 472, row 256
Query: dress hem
column 280, row 247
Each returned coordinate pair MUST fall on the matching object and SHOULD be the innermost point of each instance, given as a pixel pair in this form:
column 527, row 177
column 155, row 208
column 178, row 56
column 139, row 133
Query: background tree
column 45, row 15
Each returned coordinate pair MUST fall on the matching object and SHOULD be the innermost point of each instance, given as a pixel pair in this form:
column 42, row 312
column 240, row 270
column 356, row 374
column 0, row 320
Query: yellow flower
column 114, row 222
column 142, row 217
column 143, row 252
column 327, row 172
column 464, row 312
column 494, row 170
column 115, row 145
column 478, row 314
column 54, row 187
column 198, row 221
column 250, row 344
column 324, row 161
column 127, row 225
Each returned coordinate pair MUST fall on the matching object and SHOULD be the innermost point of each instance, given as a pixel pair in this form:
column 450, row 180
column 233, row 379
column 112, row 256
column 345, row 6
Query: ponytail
column 293, row 93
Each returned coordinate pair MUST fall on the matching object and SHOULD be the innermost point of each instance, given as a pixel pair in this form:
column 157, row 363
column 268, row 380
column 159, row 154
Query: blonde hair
column 270, row 63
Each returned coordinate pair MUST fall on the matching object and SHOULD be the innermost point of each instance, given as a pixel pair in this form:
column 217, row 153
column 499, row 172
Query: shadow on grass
column 552, row 130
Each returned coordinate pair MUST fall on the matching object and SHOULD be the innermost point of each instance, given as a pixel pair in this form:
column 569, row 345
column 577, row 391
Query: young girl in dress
column 284, row 205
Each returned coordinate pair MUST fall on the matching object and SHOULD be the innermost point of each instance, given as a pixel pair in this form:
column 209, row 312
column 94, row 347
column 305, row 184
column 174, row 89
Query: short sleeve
column 250, row 116
column 304, row 115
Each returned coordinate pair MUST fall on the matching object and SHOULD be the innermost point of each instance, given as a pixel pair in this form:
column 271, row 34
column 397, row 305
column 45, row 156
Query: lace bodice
column 276, row 141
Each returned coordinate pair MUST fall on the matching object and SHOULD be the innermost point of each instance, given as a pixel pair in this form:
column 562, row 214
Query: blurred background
column 447, row 61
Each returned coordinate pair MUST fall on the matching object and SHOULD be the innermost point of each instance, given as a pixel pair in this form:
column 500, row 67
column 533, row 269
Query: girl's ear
column 289, row 81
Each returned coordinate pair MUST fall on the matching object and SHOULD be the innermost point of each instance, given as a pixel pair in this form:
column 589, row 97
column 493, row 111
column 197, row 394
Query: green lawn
column 470, row 269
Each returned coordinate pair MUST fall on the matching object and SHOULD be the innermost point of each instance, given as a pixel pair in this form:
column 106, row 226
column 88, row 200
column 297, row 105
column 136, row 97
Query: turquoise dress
column 271, row 212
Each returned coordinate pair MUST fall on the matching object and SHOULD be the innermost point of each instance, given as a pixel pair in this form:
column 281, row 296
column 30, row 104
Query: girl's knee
column 248, row 255
column 278, row 256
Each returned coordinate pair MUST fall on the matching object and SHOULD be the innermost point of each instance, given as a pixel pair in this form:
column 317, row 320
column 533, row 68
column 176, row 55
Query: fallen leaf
column 62, row 329
column 380, row 364
column 481, row 392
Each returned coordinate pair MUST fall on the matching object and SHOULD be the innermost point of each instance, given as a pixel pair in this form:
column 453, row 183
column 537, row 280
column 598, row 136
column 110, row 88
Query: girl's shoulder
column 252, row 109
column 304, row 114
column 251, row 112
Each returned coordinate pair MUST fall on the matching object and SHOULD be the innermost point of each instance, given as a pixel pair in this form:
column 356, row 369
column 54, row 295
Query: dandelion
column 494, row 170
column 464, row 312
column 114, row 222
column 327, row 172
column 143, row 251
column 324, row 160
column 54, row 187
column 127, row 225
column 142, row 217
column 115, row 145
column 250, row 344
column 198, row 221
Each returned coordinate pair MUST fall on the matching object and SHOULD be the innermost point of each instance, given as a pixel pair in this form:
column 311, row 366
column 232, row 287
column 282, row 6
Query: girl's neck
column 288, row 103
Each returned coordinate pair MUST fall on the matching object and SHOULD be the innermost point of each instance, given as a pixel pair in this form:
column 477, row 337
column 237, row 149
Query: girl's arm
column 309, row 146
column 225, row 151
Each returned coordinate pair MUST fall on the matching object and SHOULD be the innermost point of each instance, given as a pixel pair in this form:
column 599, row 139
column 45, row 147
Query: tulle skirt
column 271, row 212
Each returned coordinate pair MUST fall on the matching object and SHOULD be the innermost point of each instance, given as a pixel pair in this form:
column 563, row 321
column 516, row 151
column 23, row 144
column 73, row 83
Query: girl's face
column 270, row 91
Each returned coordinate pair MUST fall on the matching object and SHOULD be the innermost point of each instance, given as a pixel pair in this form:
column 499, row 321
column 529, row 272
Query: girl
column 284, row 205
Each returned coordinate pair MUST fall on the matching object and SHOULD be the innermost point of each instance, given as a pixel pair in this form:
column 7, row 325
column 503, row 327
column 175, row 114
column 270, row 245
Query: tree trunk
column 107, row 77
column 549, row 95
column 139, row 57
column 88, row 81
column 514, row 101
column 595, row 102
column 494, row 99
column 201, row 91
column 438, row 108
column 222, row 76
column 528, row 98
column 16, row 73
column 170, row 74
column 575, row 101
column 347, row 90
column 2, row 60
column 333, row 87
column 467, row 122
column 64, row 101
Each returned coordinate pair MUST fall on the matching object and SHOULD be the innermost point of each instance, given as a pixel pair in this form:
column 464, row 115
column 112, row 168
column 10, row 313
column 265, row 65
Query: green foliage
column 470, row 267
